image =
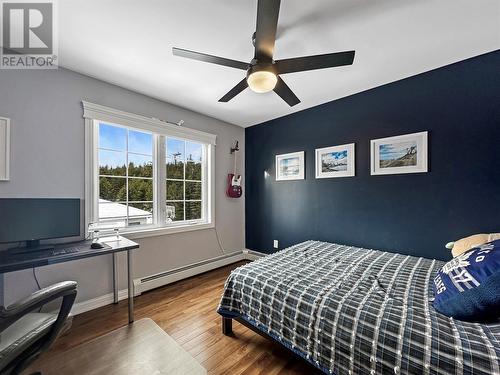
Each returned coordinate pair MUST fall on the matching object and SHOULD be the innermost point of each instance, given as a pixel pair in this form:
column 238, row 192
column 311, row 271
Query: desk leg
column 2, row 298
column 115, row 278
column 130, row 287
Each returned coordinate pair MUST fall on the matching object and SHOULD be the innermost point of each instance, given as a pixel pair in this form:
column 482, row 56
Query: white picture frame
column 389, row 155
column 4, row 149
column 290, row 166
column 335, row 161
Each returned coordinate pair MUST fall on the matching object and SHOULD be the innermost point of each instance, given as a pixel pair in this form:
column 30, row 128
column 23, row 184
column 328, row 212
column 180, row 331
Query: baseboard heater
column 167, row 277
column 176, row 274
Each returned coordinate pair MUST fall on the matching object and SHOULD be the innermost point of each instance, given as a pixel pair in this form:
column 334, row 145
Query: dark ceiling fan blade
column 285, row 93
column 209, row 58
column 265, row 33
column 242, row 85
column 300, row 64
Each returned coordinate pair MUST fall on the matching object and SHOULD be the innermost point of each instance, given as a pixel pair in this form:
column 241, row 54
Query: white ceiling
column 129, row 43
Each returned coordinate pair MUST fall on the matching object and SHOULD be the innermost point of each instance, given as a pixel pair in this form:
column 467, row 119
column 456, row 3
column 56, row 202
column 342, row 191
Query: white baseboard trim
column 94, row 303
column 252, row 255
column 155, row 281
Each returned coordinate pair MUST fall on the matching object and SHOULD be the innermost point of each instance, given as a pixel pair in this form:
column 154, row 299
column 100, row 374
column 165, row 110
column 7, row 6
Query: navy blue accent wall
column 412, row 214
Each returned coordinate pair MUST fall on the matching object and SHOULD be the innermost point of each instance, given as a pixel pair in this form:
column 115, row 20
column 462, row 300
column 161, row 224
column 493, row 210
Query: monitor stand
column 32, row 246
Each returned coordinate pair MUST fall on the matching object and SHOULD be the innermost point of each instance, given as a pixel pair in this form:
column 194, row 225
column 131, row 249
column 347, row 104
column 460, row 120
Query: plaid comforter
column 349, row 310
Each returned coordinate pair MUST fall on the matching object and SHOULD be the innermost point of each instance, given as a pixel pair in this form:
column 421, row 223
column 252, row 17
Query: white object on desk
column 4, row 149
column 96, row 230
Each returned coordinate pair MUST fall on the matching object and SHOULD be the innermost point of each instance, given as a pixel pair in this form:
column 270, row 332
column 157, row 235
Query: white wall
column 47, row 160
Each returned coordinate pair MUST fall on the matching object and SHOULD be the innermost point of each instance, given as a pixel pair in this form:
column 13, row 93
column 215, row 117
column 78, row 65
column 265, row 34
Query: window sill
column 162, row 231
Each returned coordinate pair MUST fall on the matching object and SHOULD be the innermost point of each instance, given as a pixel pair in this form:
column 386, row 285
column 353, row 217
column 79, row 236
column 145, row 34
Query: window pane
column 194, row 152
column 175, row 190
column 140, row 190
column 193, row 171
column 140, row 166
column 193, row 190
column 112, row 137
column 110, row 212
column 175, row 211
column 139, row 142
column 140, row 213
column 112, row 188
column 112, row 163
column 175, row 158
column 175, row 169
column 193, row 210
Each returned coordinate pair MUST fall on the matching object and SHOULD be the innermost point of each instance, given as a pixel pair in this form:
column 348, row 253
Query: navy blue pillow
column 468, row 286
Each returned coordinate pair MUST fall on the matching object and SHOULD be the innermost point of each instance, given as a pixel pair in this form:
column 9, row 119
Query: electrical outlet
column 275, row 244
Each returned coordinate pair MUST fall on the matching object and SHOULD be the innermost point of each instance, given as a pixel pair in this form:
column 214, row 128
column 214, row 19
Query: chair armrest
column 36, row 300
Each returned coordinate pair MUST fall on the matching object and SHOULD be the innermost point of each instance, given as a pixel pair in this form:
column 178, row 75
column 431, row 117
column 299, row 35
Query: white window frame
column 95, row 114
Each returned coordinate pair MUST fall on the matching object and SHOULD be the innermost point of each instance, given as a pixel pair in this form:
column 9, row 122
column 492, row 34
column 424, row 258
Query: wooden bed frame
column 227, row 329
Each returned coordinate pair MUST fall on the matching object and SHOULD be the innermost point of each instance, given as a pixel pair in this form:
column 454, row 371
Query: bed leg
column 227, row 326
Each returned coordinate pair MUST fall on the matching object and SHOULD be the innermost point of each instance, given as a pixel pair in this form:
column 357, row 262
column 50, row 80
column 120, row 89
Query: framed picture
column 335, row 161
column 290, row 166
column 4, row 148
column 401, row 154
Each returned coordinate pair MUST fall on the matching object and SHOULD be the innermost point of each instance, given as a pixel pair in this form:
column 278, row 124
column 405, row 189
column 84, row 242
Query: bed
column 349, row 310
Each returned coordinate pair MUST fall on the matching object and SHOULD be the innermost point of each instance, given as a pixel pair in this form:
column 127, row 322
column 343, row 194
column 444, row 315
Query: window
column 184, row 162
column 152, row 175
column 125, row 160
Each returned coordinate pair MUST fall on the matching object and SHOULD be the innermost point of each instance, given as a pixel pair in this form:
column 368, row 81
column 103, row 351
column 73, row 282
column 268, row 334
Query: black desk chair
column 26, row 333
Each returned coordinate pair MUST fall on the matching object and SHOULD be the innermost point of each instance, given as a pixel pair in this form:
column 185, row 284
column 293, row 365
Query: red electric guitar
column 234, row 189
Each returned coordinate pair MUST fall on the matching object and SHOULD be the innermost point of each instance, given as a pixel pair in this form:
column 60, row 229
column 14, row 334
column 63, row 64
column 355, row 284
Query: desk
column 10, row 262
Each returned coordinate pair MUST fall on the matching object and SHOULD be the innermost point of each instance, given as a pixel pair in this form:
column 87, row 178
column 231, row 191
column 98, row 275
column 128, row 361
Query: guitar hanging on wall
column 234, row 189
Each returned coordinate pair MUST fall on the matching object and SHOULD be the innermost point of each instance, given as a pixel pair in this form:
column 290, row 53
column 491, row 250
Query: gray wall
column 47, row 160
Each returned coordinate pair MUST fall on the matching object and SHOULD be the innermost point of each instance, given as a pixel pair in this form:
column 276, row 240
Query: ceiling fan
column 263, row 72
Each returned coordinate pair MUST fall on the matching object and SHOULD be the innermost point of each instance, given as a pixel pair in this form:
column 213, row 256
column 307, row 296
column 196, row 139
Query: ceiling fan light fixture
column 262, row 81
column 263, row 71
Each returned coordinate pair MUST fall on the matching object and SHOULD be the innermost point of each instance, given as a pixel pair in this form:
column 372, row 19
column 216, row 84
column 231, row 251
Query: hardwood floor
column 186, row 311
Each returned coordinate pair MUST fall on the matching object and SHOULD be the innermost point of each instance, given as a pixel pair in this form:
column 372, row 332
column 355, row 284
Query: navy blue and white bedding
column 468, row 286
column 349, row 310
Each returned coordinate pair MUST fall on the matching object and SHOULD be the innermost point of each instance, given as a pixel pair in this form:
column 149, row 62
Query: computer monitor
column 35, row 219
